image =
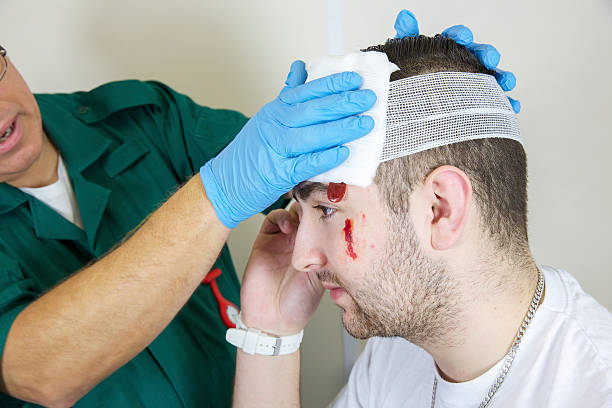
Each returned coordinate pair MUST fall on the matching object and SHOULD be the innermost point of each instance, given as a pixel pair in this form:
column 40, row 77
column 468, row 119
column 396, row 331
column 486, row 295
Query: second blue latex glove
column 291, row 139
column 406, row 25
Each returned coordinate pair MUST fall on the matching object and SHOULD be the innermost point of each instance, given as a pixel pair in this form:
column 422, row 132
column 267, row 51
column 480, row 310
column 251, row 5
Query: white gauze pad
column 374, row 67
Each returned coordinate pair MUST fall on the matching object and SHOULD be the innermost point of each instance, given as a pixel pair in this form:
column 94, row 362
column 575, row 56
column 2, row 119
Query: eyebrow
column 306, row 188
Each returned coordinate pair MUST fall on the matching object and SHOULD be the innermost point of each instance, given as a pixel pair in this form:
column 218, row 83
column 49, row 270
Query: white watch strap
column 253, row 341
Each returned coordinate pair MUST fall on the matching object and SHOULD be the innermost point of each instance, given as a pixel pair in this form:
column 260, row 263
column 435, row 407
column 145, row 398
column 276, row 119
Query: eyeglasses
column 3, row 62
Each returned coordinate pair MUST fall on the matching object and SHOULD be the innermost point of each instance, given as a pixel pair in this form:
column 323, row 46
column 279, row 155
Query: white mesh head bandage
column 427, row 111
column 441, row 108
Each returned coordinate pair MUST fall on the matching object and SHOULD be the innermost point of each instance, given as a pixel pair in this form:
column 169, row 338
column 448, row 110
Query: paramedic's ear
column 448, row 193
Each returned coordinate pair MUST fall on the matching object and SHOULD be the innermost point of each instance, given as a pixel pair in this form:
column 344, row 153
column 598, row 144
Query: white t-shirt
column 564, row 360
column 59, row 195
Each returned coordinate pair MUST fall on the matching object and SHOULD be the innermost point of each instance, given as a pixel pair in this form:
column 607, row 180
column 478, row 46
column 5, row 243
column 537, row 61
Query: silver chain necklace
column 535, row 302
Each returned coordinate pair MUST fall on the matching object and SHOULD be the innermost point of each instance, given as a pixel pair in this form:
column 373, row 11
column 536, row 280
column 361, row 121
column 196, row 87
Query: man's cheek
column 349, row 238
column 356, row 237
column 367, row 240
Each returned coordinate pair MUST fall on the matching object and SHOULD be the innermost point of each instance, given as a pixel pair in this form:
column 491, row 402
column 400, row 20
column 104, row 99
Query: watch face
column 232, row 314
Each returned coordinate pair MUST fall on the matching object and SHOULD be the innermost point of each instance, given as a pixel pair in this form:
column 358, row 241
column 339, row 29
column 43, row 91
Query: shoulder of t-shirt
column 590, row 321
column 385, row 366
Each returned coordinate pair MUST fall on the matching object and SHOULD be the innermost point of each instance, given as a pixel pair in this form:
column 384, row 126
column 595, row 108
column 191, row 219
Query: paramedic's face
column 21, row 135
column 372, row 263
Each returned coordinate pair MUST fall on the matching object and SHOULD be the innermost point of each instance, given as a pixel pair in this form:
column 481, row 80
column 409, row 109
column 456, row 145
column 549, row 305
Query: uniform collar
column 46, row 222
column 80, row 145
column 10, row 198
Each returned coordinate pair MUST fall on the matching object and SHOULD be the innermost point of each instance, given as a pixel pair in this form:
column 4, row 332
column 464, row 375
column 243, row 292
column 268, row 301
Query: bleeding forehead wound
column 336, row 192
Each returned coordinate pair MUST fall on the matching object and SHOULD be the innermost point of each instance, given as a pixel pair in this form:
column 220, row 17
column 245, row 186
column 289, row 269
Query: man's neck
column 487, row 325
column 43, row 171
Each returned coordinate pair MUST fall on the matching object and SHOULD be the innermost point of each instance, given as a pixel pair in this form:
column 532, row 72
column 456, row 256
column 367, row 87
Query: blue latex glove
column 291, row 139
column 406, row 26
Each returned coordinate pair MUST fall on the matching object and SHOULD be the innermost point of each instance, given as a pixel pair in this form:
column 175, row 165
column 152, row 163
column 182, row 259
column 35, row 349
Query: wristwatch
column 253, row 341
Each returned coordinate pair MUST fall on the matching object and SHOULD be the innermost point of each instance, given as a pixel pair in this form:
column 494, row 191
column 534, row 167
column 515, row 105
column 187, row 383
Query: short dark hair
column 496, row 167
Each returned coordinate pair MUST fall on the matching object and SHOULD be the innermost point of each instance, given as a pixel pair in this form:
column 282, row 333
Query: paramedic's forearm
column 267, row 381
column 73, row 337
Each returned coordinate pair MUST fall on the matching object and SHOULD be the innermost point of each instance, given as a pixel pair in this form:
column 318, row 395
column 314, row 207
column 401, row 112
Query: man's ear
column 450, row 192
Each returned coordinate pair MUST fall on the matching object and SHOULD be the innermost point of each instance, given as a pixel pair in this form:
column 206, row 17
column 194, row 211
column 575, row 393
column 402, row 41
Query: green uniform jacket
column 127, row 146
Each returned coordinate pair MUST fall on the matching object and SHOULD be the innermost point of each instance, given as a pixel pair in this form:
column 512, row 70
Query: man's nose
column 308, row 252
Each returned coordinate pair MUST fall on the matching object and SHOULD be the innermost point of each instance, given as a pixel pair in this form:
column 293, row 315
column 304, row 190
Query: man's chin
column 356, row 325
column 356, row 322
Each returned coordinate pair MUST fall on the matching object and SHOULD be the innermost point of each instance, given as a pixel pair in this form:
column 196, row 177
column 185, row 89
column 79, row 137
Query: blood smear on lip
column 336, row 192
column 348, row 237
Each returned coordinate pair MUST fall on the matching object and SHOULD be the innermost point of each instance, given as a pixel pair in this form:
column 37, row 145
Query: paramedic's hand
column 406, row 26
column 275, row 297
column 291, row 139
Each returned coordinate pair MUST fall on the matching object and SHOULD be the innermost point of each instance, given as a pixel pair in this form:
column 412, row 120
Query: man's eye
column 326, row 212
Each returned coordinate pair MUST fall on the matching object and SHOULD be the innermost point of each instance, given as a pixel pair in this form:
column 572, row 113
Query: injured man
column 430, row 262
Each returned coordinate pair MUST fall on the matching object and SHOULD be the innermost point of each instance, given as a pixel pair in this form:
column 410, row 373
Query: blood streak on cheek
column 348, row 237
column 336, row 192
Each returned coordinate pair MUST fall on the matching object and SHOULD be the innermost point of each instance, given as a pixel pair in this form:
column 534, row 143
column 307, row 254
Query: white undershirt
column 59, row 196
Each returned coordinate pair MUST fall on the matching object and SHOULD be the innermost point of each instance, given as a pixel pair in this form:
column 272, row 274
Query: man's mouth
column 8, row 132
column 335, row 291
column 10, row 135
column 330, row 286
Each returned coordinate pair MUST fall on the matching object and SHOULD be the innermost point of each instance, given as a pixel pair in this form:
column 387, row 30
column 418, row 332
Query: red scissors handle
column 228, row 311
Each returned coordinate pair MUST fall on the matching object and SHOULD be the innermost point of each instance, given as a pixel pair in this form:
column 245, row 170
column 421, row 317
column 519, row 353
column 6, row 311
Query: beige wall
column 235, row 54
